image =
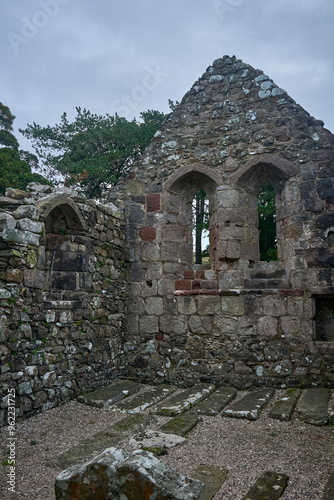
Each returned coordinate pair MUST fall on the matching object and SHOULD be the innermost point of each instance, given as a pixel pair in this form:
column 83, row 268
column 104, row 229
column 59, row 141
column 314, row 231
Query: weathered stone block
column 149, row 324
column 116, row 474
column 71, row 261
column 20, row 237
column 274, row 305
column 147, row 233
column 267, row 326
column 7, row 221
column 232, row 306
column 200, row 324
column 186, row 305
column 154, row 306
column 64, row 281
column 30, row 225
column 209, row 305
column 153, row 202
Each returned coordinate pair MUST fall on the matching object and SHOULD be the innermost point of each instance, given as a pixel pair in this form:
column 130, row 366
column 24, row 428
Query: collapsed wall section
column 63, row 263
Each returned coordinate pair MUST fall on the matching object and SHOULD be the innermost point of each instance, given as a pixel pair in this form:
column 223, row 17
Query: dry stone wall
column 239, row 320
column 62, row 296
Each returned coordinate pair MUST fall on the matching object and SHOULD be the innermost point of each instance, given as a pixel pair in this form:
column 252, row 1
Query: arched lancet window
column 267, row 223
column 201, row 217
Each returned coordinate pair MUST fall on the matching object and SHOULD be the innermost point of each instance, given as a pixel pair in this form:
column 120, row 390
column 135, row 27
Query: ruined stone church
column 93, row 291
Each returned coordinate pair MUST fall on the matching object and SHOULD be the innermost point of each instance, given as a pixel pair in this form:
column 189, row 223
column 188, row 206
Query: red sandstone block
column 147, row 233
column 153, row 202
column 182, row 292
column 292, row 293
column 196, row 284
column 189, row 275
column 183, row 285
column 200, row 274
column 159, row 336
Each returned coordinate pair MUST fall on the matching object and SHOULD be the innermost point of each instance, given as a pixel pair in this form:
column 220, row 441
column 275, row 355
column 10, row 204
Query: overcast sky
column 127, row 56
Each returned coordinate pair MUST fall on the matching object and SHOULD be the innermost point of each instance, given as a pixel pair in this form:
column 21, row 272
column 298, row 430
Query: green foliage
column 93, row 150
column 15, row 164
column 267, row 223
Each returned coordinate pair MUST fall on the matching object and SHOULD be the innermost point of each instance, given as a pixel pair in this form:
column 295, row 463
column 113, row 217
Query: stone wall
column 238, row 320
column 63, row 266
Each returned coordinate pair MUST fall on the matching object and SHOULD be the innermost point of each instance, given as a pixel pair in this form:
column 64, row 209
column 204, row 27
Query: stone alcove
column 66, row 246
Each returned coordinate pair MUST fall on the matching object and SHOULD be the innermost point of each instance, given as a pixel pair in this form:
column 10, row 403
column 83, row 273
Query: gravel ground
column 247, row 449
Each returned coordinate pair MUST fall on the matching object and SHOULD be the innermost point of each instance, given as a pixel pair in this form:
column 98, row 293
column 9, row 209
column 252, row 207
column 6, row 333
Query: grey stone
column 216, row 402
column 212, row 478
column 270, row 486
column 30, row 225
column 264, row 93
column 284, row 407
column 111, row 436
column 181, row 425
column 329, row 488
column 26, row 212
column 20, row 237
column 155, row 440
column 141, row 402
column 7, row 221
column 118, row 475
column 106, row 396
column 250, row 405
column 183, row 401
column 313, row 406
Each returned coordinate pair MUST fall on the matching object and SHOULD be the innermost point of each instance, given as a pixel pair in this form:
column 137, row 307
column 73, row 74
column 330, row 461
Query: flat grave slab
column 329, row 488
column 283, row 408
column 142, row 401
column 270, row 486
column 313, row 406
column 109, row 437
column 250, row 405
column 110, row 394
column 179, row 403
column 181, row 425
column 212, row 478
column 216, row 402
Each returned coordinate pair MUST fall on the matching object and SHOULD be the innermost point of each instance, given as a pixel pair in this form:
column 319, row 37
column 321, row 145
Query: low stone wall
column 62, row 296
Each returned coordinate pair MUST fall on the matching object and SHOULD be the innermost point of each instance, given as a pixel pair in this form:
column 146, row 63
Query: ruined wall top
column 231, row 115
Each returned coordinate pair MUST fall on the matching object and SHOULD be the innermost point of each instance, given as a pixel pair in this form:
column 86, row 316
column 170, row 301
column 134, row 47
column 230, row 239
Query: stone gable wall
column 63, row 263
column 240, row 321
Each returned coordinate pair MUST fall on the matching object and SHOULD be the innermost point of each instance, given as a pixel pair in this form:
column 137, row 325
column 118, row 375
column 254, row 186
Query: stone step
column 250, row 405
column 142, row 401
column 181, row 425
column 212, row 478
column 329, row 488
column 283, row 408
column 179, row 403
column 313, row 406
column 109, row 437
column 112, row 393
column 270, row 486
column 216, row 402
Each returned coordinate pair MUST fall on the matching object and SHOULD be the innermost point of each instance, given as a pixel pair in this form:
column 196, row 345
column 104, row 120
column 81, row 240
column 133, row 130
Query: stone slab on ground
column 313, row 406
column 117, row 474
column 331, row 409
column 329, row 488
column 181, row 425
column 142, row 401
column 270, row 486
column 283, row 408
column 250, row 405
column 179, row 403
column 216, row 402
column 155, row 441
column 111, row 436
column 110, row 394
column 212, row 478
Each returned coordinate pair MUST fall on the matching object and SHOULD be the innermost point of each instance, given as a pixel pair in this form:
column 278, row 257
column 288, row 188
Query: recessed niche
column 324, row 318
